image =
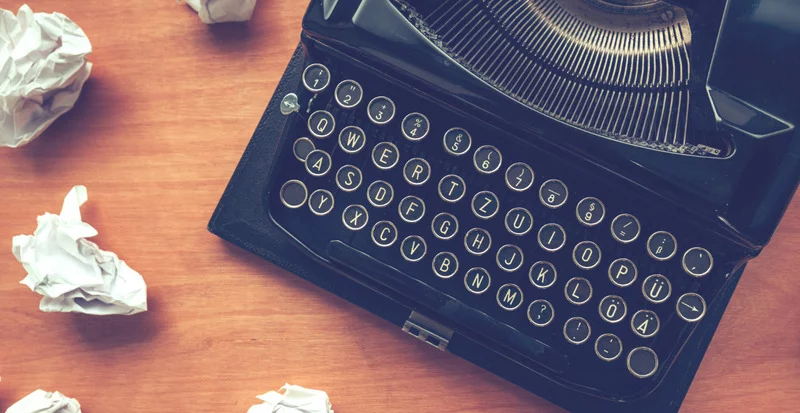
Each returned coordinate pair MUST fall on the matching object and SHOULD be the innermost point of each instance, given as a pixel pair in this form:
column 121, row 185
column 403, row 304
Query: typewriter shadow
column 106, row 332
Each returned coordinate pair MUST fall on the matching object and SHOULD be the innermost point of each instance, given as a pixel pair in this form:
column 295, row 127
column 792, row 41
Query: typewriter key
column 662, row 245
column 321, row 124
column 380, row 110
column 625, row 228
column 457, row 141
column 380, row 193
column 293, row 194
column 553, row 193
column 642, row 362
column 485, row 204
column 541, row 313
column 321, row 202
column 348, row 178
column 590, row 211
column 656, row 288
column 645, row 323
column 413, row 248
column 622, row 272
column 551, row 237
column 608, row 347
column 411, row 209
column 444, row 226
column 697, row 261
column 586, row 255
column 519, row 177
column 477, row 241
column 519, row 221
column 509, row 258
column 349, row 93
column 487, row 159
column 384, row 233
column 542, row 274
column 578, row 290
column 612, row 308
column 691, row 307
column 417, row 171
column 415, row 126
column 452, row 188
column 316, row 77
column 477, row 280
column 509, row 297
column 385, row 155
column 445, row 264
column 577, row 330
column 302, row 147
column 318, row 162
column 355, row 217
column 352, row 139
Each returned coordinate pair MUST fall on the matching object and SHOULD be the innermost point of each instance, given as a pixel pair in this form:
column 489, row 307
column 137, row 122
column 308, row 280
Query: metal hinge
column 428, row 330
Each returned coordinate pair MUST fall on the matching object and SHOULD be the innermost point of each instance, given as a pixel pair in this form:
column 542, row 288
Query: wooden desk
column 155, row 136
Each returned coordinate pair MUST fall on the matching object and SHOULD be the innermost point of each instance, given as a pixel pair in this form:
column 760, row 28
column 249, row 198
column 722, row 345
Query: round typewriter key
column 385, row 155
column 316, row 77
column 577, row 330
column 578, row 290
column 645, row 323
column 662, row 245
column 487, row 159
column 477, row 241
column 349, row 93
column 625, row 228
column 590, row 211
column 321, row 124
column 445, row 264
column 509, row 297
column 622, row 272
column 452, row 188
column 302, row 147
column 415, row 126
column 457, row 141
column 553, row 193
column 444, row 226
column 355, row 217
column 352, row 139
column 413, row 248
column 485, row 204
column 384, row 233
column 321, row 202
column 691, row 307
column 380, row 193
column 509, row 258
column 542, row 274
column 417, row 171
column 477, row 280
column 380, row 110
column 318, row 162
column 519, row 177
column 552, row 237
column 697, row 261
column 293, row 194
column 608, row 347
column 519, row 221
column 642, row 362
column 541, row 313
column 411, row 209
column 656, row 288
column 586, row 255
column 348, row 178
column 612, row 308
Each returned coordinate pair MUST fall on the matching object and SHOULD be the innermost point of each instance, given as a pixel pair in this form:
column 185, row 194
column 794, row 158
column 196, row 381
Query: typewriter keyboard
column 537, row 243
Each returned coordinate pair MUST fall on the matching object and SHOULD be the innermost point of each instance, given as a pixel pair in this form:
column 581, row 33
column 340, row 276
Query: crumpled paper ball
column 220, row 11
column 293, row 399
column 41, row 401
column 43, row 68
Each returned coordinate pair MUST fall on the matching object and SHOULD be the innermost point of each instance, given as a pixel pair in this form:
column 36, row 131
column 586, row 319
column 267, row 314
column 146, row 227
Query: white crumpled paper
column 71, row 272
column 43, row 68
column 220, row 11
column 293, row 399
column 41, row 401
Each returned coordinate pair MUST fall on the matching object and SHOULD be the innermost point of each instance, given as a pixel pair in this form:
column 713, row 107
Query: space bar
column 448, row 307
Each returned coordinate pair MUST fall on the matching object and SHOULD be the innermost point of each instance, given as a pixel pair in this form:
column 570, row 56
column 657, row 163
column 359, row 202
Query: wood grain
column 160, row 126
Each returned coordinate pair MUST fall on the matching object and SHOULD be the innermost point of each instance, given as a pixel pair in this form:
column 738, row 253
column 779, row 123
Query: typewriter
column 563, row 192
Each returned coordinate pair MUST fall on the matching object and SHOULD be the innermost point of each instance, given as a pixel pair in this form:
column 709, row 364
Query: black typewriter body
column 564, row 193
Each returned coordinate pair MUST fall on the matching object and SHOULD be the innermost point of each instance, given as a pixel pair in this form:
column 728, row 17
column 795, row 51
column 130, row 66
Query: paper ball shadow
column 111, row 331
column 231, row 36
